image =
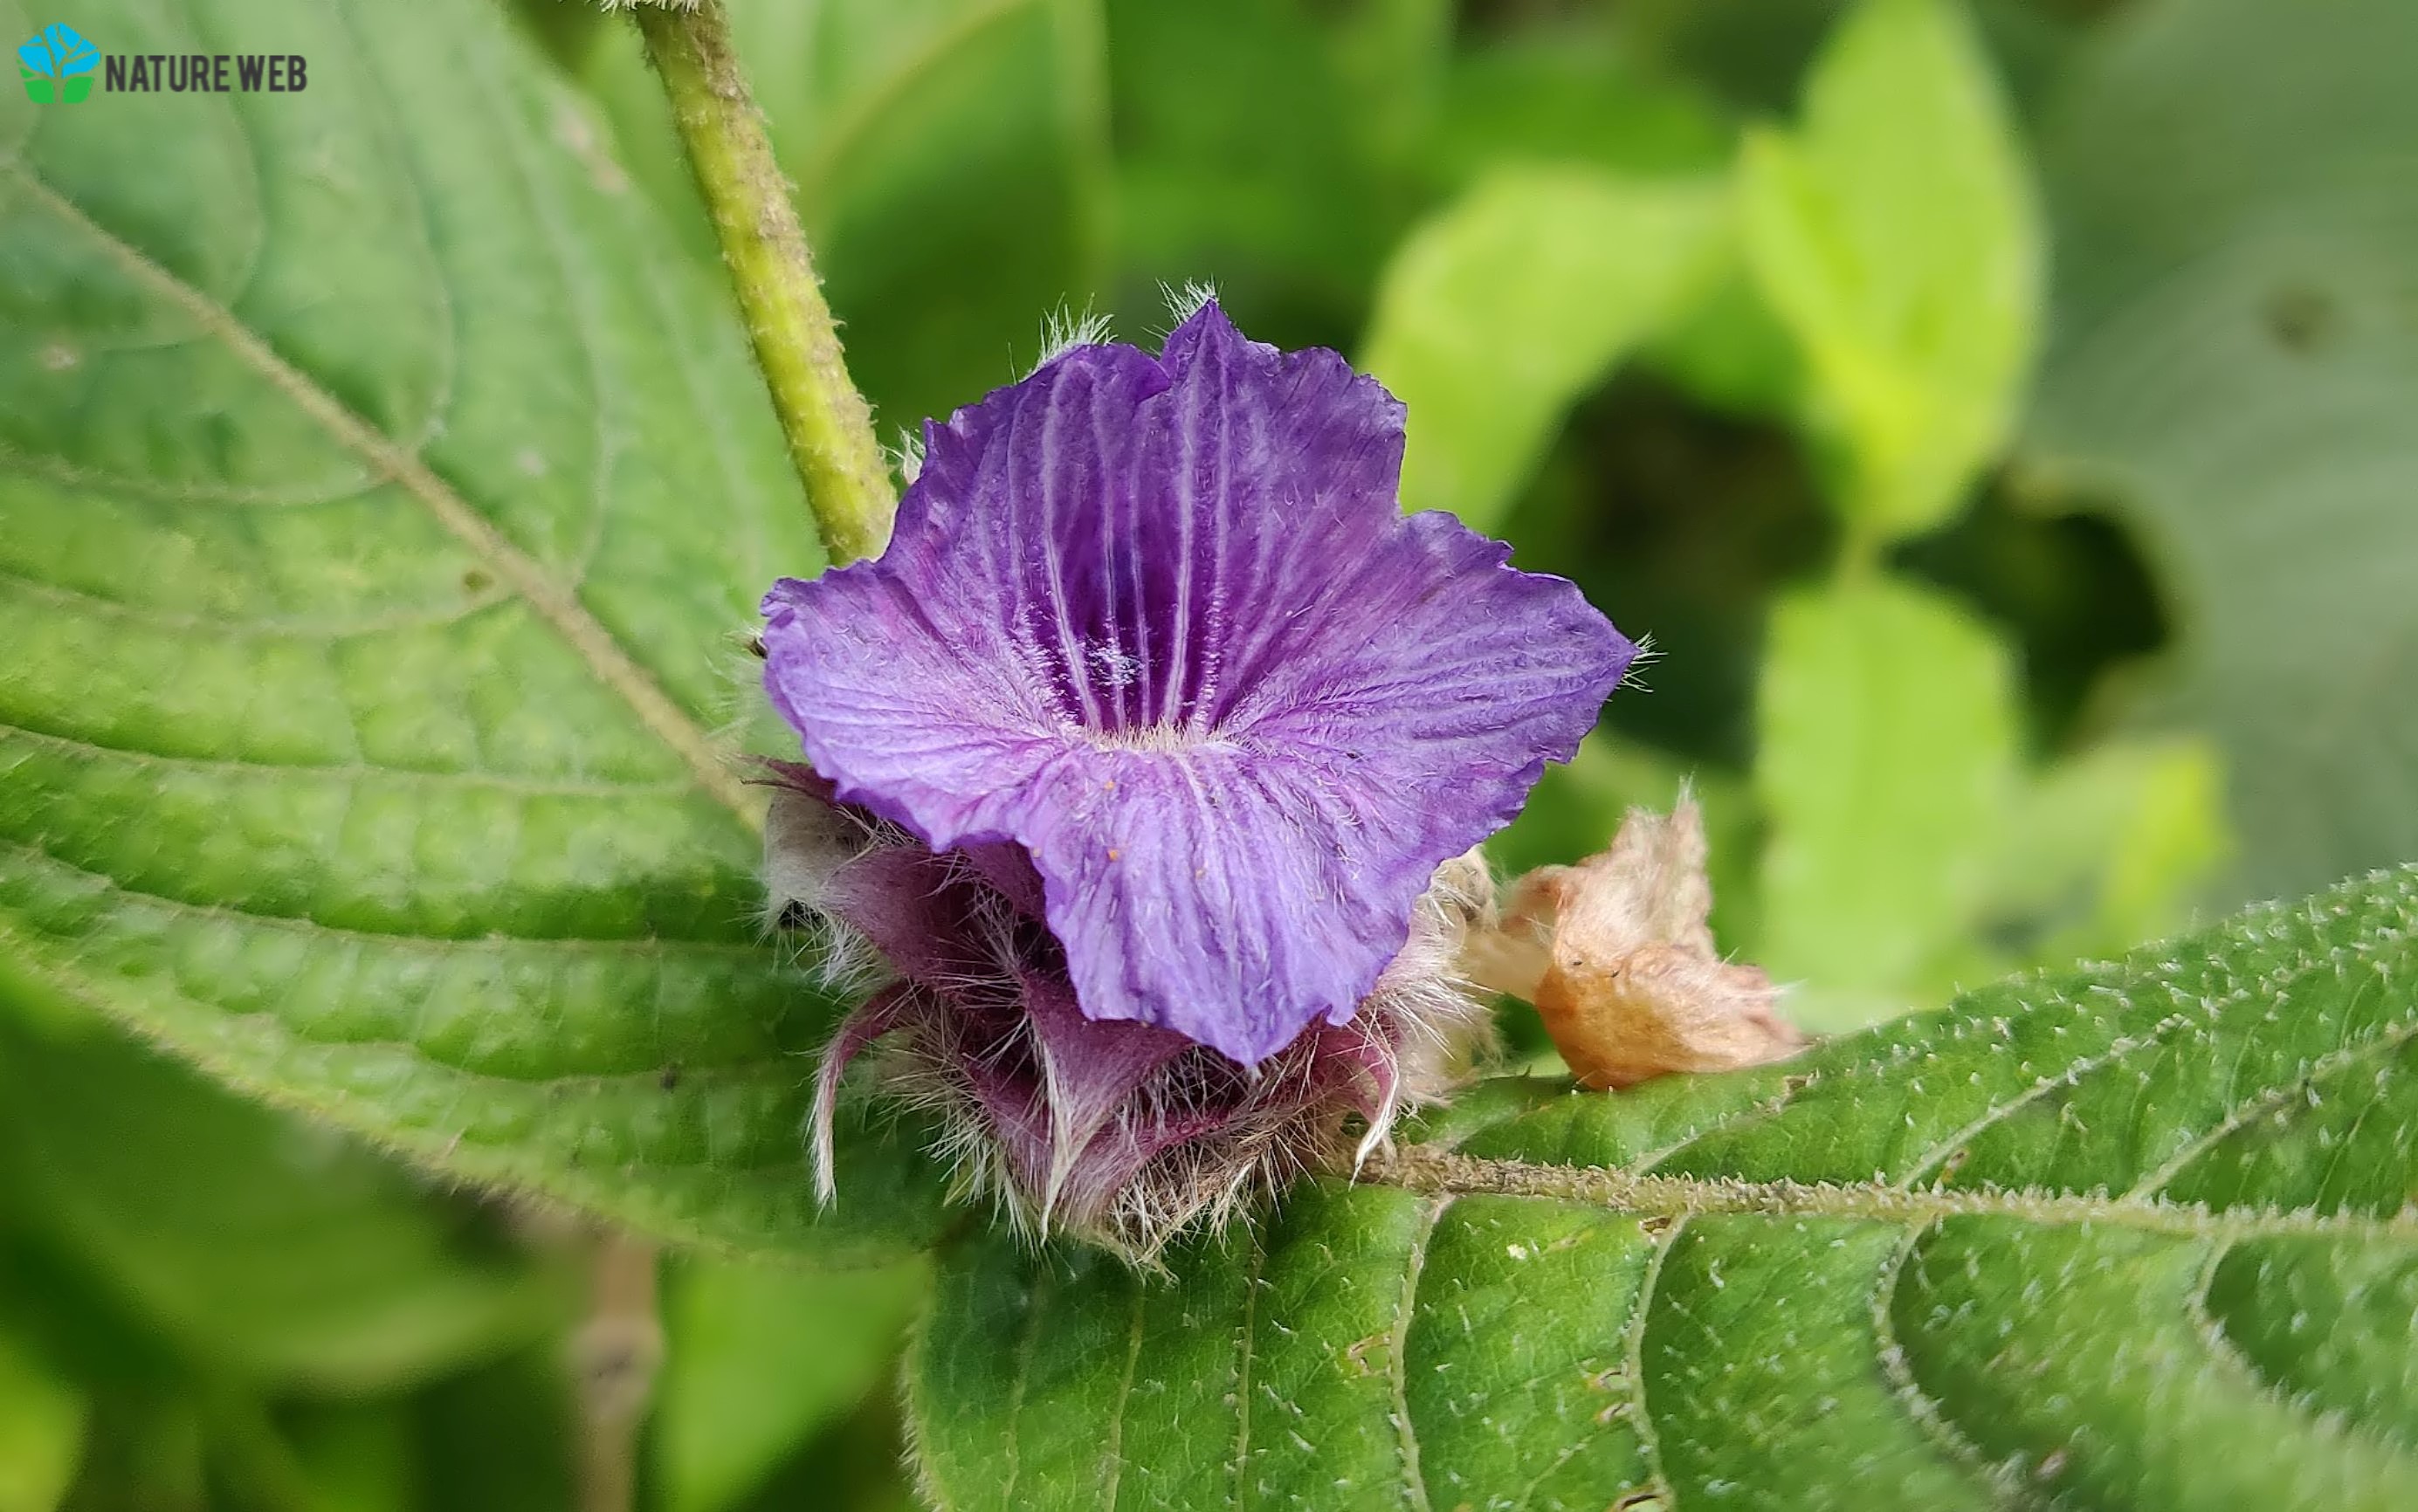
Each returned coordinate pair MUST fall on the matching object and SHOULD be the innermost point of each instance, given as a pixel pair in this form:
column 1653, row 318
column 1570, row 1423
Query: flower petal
column 1159, row 622
column 930, row 683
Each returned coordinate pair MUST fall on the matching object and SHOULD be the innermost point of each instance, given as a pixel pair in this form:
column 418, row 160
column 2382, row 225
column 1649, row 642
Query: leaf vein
column 1243, row 1346
column 1112, row 1462
column 65, row 474
column 449, row 350
column 1650, row 1444
column 2329, row 1429
column 353, row 771
column 1415, row 1486
column 2391, row 1039
column 497, row 95
column 280, row 1090
column 1028, row 1343
column 587, row 636
column 263, row 626
column 1929, row 1413
column 655, row 946
column 1421, row 1170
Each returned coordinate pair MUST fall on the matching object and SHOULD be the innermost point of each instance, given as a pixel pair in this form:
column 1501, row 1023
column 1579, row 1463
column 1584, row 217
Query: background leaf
column 2116, row 1237
column 1270, row 144
column 2110, row 847
column 378, row 488
column 912, row 131
column 1911, row 849
column 1894, row 236
column 261, row 1244
column 2237, row 369
column 1566, row 91
column 356, row 1458
column 1888, row 772
column 500, row 1440
column 760, row 1359
column 1497, row 313
column 41, row 1430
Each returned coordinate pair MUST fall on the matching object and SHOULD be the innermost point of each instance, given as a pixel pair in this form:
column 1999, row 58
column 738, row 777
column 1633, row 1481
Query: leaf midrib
column 1439, row 1172
column 560, row 609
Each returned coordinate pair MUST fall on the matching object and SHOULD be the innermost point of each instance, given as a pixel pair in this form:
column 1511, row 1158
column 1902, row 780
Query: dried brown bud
column 1619, row 957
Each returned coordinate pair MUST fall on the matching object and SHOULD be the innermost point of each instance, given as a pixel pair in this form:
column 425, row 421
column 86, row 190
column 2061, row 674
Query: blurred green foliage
column 1727, row 311
column 764, row 1358
column 2232, row 373
column 1502, row 310
column 1892, row 232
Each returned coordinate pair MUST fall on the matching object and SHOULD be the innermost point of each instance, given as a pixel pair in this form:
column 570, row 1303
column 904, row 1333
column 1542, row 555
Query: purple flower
column 1152, row 632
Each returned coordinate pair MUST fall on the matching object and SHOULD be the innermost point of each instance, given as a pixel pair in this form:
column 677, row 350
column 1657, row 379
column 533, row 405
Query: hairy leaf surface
column 379, row 491
column 2137, row 1235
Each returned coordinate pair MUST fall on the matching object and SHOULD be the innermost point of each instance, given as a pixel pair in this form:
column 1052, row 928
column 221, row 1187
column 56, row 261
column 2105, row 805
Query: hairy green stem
column 827, row 422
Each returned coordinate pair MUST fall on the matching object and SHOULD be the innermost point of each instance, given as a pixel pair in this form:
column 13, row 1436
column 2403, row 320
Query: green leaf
column 42, row 1431
column 262, row 1245
column 1909, row 850
column 1730, row 352
column 1894, row 234
column 962, row 199
column 500, row 1440
column 762, row 1359
column 1885, row 764
column 1499, row 312
column 2237, row 376
column 379, row 490
column 2131, row 1236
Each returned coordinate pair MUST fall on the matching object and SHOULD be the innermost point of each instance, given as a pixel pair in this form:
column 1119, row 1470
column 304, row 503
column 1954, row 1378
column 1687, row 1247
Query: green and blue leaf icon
column 57, row 64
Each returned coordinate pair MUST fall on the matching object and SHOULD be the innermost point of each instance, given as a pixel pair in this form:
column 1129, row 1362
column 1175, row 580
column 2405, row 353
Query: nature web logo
column 58, row 65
